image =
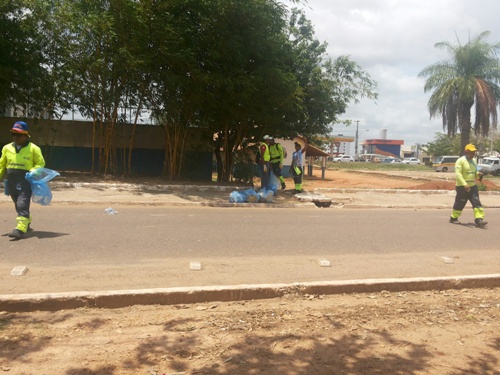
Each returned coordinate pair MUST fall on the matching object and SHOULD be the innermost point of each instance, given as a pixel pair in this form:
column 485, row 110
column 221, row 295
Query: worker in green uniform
column 264, row 162
column 18, row 158
column 277, row 157
column 466, row 173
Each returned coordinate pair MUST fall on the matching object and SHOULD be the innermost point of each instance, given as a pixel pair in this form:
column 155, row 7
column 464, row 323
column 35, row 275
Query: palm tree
column 469, row 78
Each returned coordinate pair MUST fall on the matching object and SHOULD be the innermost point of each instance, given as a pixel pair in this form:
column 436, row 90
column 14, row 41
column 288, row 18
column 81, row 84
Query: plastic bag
column 237, row 197
column 252, row 196
column 274, row 182
column 38, row 180
column 265, row 195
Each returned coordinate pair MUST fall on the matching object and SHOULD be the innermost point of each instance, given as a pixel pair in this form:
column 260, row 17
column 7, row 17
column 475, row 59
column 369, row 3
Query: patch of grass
column 377, row 166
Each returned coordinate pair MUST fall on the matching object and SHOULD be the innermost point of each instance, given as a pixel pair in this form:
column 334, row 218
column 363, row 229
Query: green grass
column 376, row 166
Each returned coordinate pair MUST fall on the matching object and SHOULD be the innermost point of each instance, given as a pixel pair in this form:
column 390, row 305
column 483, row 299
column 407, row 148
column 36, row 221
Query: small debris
column 195, row 266
column 324, row 262
column 446, row 260
column 19, row 271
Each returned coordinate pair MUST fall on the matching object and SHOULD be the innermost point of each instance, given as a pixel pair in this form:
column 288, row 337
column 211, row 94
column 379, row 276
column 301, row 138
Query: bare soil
column 455, row 332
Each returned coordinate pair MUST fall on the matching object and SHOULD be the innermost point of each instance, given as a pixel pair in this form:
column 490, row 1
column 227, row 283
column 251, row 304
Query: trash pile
column 264, row 195
column 251, row 196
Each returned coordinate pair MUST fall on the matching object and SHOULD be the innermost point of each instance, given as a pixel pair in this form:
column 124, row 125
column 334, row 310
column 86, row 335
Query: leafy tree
column 469, row 78
column 22, row 72
column 443, row 144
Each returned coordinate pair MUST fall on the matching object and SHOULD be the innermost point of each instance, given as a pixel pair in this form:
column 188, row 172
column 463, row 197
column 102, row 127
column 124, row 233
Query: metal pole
column 356, row 145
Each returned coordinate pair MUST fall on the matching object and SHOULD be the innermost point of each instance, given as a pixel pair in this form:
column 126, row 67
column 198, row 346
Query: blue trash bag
column 269, row 196
column 274, row 182
column 273, row 188
column 38, row 180
column 252, row 196
column 266, row 195
column 237, row 197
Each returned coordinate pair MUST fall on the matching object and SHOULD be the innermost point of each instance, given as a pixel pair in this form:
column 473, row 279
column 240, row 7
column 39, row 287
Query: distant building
column 339, row 145
column 383, row 146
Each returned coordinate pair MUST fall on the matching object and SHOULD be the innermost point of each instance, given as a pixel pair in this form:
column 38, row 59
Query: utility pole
column 356, row 144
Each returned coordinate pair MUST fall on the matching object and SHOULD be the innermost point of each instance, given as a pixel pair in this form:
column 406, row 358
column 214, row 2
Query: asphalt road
column 79, row 247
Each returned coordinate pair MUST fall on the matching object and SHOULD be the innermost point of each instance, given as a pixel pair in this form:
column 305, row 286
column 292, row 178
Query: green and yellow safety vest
column 465, row 171
column 276, row 152
column 27, row 158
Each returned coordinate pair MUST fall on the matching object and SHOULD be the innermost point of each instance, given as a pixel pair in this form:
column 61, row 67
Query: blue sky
column 393, row 40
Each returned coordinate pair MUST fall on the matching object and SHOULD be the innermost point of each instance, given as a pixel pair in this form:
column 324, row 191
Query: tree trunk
column 464, row 124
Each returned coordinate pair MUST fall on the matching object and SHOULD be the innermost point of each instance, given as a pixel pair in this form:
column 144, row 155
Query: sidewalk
column 218, row 196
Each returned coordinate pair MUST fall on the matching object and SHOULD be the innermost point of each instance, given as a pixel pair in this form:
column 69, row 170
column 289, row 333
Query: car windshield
column 488, row 161
column 438, row 159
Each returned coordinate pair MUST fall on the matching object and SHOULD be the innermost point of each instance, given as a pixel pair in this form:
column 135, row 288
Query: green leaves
column 470, row 77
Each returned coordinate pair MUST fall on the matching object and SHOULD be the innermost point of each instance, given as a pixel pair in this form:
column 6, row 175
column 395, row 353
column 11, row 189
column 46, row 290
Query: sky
column 393, row 41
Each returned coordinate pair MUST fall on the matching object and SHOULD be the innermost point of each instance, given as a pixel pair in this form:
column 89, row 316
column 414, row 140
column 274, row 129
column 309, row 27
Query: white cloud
column 393, row 40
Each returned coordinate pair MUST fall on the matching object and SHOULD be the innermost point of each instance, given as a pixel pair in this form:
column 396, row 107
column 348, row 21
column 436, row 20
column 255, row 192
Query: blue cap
column 20, row 127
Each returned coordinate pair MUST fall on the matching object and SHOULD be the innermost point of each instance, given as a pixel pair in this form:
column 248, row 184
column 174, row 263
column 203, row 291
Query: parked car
column 391, row 160
column 490, row 165
column 445, row 163
column 411, row 161
column 344, row 159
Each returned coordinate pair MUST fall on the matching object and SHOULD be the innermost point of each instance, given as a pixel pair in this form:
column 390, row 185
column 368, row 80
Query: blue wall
column 196, row 165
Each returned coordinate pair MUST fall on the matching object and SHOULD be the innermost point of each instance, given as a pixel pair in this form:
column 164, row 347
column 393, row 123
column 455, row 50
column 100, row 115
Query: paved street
column 79, row 247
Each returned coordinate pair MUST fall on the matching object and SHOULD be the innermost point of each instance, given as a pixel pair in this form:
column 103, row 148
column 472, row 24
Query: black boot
column 480, row 223
column 454, row 221
column 16, row 234
column 283, row 186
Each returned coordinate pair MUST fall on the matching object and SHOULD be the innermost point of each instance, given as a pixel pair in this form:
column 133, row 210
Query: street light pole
column 356, row 144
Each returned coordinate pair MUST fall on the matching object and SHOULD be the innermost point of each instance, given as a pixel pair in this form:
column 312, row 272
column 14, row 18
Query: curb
column 173, row 296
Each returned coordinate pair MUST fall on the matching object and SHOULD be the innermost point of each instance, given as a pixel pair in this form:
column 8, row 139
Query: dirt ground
column 455, row 332
column 411, row 180
column 452, row 332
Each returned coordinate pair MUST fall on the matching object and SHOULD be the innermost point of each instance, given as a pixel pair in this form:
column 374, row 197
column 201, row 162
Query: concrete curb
column 172, row 296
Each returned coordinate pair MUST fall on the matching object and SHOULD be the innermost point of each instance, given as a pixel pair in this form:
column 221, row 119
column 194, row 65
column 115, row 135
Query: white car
column 411, row 161
column 343, row 159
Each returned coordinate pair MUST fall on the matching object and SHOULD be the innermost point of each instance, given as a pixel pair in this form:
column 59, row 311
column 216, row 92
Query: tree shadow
column 323, row 354
column 105, row 370
column 17, row 347
column 486, row 364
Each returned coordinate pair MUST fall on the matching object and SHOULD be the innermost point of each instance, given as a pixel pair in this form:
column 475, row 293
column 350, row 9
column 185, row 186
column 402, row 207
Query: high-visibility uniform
column 265, row 158
column 277, row 157
column 276, row 153
column 466, row 173
column 15, row 162
column 296, row 169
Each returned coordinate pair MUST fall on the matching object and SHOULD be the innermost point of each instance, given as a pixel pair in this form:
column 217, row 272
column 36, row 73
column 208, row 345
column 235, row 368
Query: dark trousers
column 275, row 167
column 297, row 178
column 265, row 170
column 463, row 196
column 20, row 192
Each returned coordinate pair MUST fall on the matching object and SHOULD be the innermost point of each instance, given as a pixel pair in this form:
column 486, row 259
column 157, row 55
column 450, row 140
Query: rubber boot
column 21, row 228
column 480, row 223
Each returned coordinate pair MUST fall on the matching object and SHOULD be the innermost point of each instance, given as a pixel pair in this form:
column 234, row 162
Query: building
column 337, row 145
column 383, row 146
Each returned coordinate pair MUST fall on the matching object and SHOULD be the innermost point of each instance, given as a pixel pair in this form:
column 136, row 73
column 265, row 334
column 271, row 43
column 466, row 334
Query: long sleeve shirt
column 465, row 171
column 18, row 162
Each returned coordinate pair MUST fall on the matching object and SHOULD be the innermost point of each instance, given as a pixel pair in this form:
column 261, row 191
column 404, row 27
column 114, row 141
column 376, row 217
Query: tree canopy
column 469, row 78
column 239, row 69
